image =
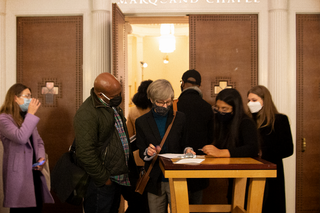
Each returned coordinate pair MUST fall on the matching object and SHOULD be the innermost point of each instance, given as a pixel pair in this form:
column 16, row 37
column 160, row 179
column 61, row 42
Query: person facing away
column 24, row 185
column 151, row 128
column 136, row 201
column 199, row 125
column 102, row 145
column 276, row 144
column 142, row 105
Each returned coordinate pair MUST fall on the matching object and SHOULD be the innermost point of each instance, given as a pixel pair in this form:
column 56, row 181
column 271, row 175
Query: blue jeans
column 104, row 199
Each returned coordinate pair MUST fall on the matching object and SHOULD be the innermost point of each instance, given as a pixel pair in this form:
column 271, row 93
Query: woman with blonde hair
column 24, row 185
column 276, row 144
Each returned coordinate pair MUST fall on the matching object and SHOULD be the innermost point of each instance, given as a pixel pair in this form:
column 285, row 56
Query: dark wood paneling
column 224, row 48
column 119, row 49
column 308, row 114
column 49, row 49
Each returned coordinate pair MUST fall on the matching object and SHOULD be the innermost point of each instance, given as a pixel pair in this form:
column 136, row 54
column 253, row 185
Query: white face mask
column 254, row 106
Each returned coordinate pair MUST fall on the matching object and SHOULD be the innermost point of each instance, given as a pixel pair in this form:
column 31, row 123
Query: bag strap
column 164, row 138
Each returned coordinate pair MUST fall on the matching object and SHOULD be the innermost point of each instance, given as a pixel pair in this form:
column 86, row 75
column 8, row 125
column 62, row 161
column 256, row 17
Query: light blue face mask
column 24, row 107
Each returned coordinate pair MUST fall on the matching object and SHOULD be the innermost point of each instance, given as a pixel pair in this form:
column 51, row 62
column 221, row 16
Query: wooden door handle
column 304, row 144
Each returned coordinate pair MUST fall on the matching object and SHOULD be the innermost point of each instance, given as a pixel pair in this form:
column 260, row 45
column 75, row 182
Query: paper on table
column 168, row 155
column 189, row 161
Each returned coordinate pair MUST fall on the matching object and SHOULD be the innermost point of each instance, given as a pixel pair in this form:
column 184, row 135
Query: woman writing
column 235, row 134
column 151, row 128
column 276, row 144
column 25, row 188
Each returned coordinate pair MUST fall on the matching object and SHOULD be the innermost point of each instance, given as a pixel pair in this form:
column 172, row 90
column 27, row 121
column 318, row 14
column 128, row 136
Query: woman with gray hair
column 150, row 129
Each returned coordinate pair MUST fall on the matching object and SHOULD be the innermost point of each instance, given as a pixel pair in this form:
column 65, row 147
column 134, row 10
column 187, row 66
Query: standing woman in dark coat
column 276, row 144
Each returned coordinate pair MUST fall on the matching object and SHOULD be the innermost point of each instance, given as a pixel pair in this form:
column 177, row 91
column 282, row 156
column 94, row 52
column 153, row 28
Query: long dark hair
column 140, row 99
column 267, row 115
column 10, row 106
column 227, row 135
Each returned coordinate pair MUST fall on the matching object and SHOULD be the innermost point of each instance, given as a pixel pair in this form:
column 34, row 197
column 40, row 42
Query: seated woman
column 235, row 133
column 150, row 129
column 276, row 144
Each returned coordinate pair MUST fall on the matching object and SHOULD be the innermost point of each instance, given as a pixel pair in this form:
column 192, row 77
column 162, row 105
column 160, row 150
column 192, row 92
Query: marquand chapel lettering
column 156, row 2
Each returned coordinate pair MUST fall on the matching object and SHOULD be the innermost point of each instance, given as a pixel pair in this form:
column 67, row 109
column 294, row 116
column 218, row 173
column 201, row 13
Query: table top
column 211, row 163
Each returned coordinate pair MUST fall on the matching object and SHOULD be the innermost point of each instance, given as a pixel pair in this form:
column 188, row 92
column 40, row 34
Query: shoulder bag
column 144, row 178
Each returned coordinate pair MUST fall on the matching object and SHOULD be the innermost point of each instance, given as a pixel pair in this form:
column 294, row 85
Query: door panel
column 224, row 49
column 308, row 114
column 49, row 61
column 119, row 50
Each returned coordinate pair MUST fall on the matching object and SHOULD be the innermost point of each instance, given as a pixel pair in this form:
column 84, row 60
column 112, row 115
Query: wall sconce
column 167, row 41
column 166, row 59
column 144, row 64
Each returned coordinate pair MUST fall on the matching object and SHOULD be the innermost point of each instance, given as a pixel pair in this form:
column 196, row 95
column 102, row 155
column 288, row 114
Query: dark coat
column 247, row 145
column 276, row 145
column 98, row 146
column 199, row 115
column 147, row 132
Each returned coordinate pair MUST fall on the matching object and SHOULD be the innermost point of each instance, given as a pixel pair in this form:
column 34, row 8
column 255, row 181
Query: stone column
column 278, row 53
column 101, row 37
column 2, row 50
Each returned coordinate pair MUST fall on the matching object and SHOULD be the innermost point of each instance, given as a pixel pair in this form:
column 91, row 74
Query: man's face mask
column 114, row 102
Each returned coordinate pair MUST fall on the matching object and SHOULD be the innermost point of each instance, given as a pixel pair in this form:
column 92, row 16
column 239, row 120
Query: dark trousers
column 137, row 203
column 104, row 199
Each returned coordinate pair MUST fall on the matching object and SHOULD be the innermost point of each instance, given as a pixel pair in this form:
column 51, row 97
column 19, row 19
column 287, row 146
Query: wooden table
column 257, row 170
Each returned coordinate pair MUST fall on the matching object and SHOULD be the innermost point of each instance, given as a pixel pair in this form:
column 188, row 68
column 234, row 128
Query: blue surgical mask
column 24, row 107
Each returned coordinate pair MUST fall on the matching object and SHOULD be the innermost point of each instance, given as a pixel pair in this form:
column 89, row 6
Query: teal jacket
column 98, row 146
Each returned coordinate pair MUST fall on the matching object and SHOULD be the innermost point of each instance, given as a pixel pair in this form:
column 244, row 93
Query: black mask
column 225, row 118
column 161, row 110
column 116, row 101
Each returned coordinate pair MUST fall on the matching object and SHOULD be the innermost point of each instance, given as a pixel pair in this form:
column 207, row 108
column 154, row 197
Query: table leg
column 179, row 195
column 239, row 193
column 255, row 195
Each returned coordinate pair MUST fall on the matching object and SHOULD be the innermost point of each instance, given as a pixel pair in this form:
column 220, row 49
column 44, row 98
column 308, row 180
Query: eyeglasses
column 162, row 103
column 223, row 111
column 28, row 96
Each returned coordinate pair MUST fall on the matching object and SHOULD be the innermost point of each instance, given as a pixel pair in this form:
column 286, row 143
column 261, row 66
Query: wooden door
column 308, row 114
column 224, row 49
column 49, row 61
column 119, row 50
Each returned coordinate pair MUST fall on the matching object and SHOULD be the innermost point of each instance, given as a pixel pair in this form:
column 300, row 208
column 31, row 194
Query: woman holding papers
column 150, row 129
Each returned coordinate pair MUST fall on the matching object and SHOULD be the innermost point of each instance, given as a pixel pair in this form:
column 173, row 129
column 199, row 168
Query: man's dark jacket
column 199, row 116
column 98, row 146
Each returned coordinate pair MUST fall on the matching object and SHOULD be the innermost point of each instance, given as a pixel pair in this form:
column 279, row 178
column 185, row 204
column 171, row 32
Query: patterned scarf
column 121, row 179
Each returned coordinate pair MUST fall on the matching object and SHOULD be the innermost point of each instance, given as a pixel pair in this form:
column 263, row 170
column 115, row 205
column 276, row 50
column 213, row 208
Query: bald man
column 102, row 145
